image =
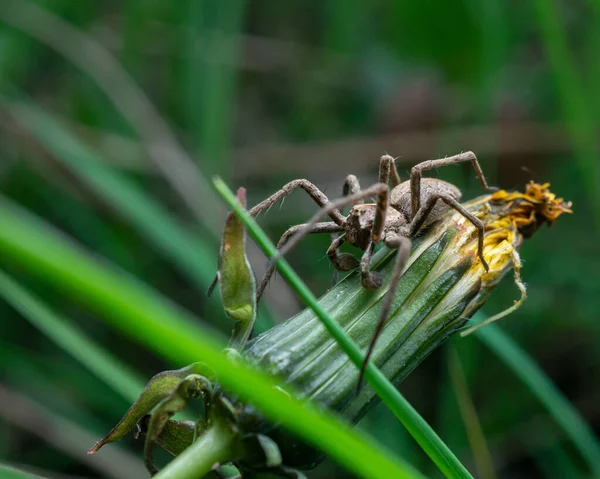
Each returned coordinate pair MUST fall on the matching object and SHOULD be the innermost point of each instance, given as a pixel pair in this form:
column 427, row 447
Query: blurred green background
column 94, row 94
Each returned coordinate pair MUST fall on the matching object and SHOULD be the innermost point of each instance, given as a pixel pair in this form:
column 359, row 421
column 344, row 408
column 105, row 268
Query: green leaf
column 176, row 436
column 157, row 389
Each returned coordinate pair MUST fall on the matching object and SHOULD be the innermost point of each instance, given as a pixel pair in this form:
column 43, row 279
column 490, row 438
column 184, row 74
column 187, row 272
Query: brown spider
column 396, row 217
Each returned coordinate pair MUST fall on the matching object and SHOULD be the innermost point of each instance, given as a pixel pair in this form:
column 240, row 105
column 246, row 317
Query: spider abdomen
column 400, row 197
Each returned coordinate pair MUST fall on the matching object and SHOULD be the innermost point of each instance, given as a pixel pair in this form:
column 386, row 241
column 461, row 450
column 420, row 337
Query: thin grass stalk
column 479, row 447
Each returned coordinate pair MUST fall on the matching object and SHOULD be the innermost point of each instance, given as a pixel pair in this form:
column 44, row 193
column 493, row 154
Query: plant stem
column 215, row 445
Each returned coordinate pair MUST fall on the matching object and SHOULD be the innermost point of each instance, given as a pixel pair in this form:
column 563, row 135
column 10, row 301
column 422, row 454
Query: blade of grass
column 65, row 435
column 472, row 425
column 573, row 97
column 189, row 253
column 215, row 92
column 67, row 336
column 9, row 472
column 150, row 319
column 546, row 392
column 93, row 58
column 429, row 441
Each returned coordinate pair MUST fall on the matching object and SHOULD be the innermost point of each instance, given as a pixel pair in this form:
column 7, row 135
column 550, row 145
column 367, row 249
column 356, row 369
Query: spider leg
column 415, row 175
column 378, row 189
column 341, row 261
column 315, row 193
column 315, row 228
column 403, row 245
column 351, row 186
column 369, row 279
column 387, row 168
column 422, row 214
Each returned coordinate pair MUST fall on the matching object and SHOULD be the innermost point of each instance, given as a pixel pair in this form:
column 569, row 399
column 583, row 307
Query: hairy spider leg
column 421, row 216
column 415, row 175
column 387, row 168
column 376, row 189
column 316, row 228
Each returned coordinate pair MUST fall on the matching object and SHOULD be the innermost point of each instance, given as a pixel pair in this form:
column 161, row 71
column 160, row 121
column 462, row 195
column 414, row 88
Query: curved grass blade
column 88, row 54
column 67, row 336
column 547, row 393
column 189, row 253
column 9, row 472
column 429, row 441
column 138, row 311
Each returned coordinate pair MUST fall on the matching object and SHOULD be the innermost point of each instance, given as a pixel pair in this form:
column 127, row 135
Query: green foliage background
column 262, row 92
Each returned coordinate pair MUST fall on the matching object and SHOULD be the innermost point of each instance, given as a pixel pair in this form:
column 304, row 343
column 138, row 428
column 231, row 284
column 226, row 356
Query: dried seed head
column 508, row 218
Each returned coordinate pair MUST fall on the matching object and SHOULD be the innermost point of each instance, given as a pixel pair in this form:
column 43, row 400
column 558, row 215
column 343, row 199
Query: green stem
column 429, row 441
column 215, row 445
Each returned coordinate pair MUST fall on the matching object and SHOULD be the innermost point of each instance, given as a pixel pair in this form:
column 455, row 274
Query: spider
column 397, row 216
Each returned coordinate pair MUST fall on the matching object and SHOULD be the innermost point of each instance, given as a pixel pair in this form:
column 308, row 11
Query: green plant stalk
column 546, row 392
column 434, row 447
column 145, row 316
column 479, row 447
column 214, row 446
